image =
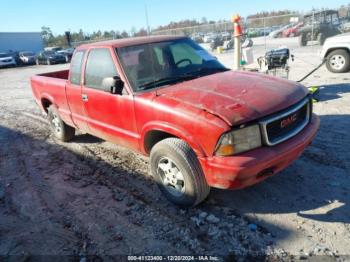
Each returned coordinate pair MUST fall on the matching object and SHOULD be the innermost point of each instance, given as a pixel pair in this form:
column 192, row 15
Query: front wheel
column 60, row 129
column 338, row 61
column 176, row 170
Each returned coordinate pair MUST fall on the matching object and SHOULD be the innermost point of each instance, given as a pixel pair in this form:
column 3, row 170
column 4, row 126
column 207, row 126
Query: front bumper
column 252, row 167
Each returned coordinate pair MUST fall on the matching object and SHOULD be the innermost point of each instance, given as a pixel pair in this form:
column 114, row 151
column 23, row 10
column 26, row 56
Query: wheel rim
column 56, row 124
column 337, row 62
column 171, row 176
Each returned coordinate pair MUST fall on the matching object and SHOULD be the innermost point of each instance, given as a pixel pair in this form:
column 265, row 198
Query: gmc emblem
column 288, row 121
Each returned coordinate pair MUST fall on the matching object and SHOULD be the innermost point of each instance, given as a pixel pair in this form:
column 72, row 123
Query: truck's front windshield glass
column 157, row 64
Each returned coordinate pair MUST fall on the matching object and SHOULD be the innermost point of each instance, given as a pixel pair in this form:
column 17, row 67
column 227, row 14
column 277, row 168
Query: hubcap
column 337, row 62
column 171, row 176
column 56, row 123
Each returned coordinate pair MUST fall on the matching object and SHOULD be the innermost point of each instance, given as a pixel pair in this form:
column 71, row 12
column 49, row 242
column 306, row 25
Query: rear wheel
column 179, row 176
column 60, row 129
column 338, row 61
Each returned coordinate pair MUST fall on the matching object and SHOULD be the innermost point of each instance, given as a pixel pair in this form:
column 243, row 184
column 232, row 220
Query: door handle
column 85, row 97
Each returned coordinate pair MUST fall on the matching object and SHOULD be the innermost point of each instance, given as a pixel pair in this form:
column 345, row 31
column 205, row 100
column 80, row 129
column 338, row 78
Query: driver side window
column 99, row 66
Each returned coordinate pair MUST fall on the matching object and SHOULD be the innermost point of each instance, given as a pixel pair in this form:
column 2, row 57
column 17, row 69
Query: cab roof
column 131, row 41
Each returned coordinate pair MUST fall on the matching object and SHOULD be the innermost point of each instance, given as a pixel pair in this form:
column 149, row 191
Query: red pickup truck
column 202, row 124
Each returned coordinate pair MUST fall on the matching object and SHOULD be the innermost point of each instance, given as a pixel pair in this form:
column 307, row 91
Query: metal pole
column 312, row 28
column 147, row 21
column 237, row 39
column 265, row 32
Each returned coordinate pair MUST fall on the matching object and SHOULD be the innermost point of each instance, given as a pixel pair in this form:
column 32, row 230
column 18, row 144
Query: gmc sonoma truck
column 202, row 124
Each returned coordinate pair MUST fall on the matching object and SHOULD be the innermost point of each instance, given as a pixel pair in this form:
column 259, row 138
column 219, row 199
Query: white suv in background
column 337, row 51
column 7, row 60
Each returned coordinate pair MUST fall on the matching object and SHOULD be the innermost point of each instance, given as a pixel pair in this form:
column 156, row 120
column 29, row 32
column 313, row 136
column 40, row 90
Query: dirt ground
column 93, row 199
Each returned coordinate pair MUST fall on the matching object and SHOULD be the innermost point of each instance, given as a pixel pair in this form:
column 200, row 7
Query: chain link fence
column 259, row 23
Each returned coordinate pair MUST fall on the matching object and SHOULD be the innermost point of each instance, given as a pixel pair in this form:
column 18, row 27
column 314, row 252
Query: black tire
column 48, row 62
column 321, row 39
column 60, row 130
column 195, row 187
column 334, row 67
column 302, row 40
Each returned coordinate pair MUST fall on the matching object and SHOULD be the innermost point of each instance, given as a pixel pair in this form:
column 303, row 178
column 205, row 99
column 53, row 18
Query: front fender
column 173, row 130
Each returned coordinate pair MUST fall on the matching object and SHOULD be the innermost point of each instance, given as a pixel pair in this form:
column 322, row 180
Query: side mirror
column 113, row 85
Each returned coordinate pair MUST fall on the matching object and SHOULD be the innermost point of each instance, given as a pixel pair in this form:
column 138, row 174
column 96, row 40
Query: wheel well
column 153, row 137
column 45, row 103
column 337, row 48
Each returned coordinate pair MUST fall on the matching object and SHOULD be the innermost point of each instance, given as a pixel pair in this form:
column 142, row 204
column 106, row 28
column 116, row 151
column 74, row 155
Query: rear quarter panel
column 45, row 87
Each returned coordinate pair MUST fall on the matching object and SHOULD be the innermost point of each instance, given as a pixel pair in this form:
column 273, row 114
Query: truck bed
column 58, row 74
column 51, row 87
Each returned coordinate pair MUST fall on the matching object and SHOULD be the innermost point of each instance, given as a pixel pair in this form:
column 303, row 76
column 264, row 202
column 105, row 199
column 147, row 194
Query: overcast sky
column 63, row 15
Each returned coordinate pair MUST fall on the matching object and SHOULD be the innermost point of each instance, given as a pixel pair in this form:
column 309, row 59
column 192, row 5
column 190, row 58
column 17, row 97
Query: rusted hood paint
column 236, row 97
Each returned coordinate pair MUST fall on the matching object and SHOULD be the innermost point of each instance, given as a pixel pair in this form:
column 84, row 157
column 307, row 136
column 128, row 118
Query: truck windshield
column 157, row 64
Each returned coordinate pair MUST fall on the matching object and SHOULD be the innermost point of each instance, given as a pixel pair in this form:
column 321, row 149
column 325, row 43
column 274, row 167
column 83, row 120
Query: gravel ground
column 92, row 199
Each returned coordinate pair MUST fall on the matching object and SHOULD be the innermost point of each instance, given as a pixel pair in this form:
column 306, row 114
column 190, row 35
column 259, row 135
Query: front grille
column 279, row 128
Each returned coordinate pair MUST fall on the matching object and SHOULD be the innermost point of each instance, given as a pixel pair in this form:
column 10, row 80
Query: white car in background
column 7, row 60
column 336, row 50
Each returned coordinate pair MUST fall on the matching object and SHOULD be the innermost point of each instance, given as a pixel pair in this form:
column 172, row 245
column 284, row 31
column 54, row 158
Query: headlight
column 239, row 141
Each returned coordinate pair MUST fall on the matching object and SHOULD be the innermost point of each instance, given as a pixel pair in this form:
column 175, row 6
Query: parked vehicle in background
column 278, row 32
column 53, row 48
column 226, row 36
column 337, row 52
column 264, row 31
column 6, row 60
column 209, row 37
column 252, row 32
column 345, row 27
column 319, row 26
column 216, row 42
column 292, row 31
column 26, row 57
column 202, row 124
column 198, row 38
column 49, row 58
column 67, row 53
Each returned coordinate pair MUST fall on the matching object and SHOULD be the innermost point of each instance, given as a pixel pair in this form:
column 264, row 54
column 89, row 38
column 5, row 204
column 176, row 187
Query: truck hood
column 236, row 97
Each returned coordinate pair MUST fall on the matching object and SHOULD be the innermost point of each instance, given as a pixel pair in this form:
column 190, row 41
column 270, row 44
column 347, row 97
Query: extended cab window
column 75, row 69
column 99, row 66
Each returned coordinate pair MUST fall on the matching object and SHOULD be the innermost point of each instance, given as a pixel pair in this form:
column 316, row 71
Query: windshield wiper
column 170, row 79
column 206, row 70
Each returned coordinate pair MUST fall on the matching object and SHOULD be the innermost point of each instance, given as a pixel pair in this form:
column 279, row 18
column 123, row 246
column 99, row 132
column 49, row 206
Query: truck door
column 109, row 116
column 73, row 92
